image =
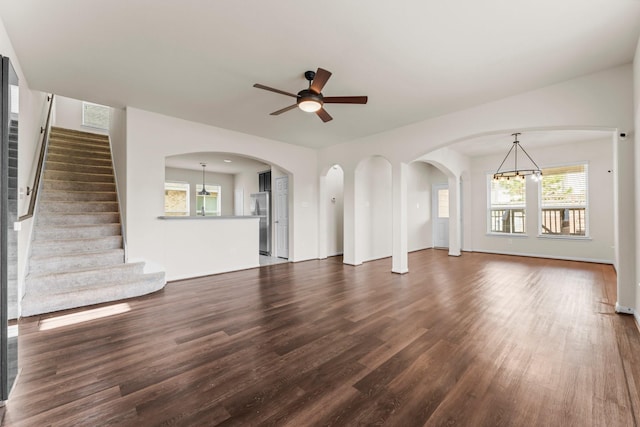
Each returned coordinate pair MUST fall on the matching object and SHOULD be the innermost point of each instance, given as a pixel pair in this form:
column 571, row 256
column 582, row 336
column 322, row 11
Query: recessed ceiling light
column 227, row 161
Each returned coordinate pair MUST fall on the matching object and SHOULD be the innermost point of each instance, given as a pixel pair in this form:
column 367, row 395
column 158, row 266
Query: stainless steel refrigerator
column 261, row 206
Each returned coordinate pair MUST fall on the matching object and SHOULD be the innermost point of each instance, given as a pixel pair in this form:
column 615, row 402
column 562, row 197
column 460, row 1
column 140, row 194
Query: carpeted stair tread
column 74, row 218
column 78, row 167
column 68, row 280
column 77, row 176
column 75, row 245
column 75, row 261
column 146, row 284
column 73, row 232
column 56, row 184
column 59, row 195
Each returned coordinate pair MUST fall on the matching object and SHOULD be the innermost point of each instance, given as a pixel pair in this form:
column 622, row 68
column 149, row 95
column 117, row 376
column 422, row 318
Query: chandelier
column 516, row 172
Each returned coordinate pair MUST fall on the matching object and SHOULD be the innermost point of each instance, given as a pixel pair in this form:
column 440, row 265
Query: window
column 507, row 206
column 443, row 203
column 176, row 199
column 208, row 205
column 563, row 201
column 95, row 115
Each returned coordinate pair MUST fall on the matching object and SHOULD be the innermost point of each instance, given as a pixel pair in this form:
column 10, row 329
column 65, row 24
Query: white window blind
column 563, row 201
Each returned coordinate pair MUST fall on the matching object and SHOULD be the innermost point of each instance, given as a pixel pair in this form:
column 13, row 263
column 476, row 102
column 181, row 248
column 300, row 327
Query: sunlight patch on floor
column 83, row 316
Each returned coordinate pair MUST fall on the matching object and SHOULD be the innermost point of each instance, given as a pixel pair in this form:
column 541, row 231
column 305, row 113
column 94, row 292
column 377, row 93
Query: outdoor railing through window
column 507, row 221
column 564, row 221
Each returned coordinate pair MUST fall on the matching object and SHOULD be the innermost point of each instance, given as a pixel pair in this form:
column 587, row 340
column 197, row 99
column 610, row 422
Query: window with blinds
column 563, row 201
column 507, row 204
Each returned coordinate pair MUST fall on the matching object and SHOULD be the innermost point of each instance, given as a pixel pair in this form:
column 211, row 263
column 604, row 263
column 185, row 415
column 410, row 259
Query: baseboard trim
column 621, row 309
column 564, row 258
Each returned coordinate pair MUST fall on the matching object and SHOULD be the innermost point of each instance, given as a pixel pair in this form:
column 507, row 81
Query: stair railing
column 44, row 147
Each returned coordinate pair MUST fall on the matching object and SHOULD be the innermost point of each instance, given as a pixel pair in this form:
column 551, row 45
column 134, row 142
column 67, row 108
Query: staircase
column 77, row 255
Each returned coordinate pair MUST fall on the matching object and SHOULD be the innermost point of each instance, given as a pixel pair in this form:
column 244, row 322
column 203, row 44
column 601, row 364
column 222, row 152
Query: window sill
column 563, row 237
column 509, row 235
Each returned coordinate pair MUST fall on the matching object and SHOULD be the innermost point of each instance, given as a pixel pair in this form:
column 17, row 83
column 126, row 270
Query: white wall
column 192, row 177
column 599, row 247
column 152, row 137
column 334, row 204
column 220, row 245
column 373, row 193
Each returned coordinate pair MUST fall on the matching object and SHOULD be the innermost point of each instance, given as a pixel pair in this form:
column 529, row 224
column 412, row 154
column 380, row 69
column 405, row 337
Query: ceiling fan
column 311, row 100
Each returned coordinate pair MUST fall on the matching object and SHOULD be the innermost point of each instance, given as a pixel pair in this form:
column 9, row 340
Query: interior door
column 282, row 217
column 440, row 216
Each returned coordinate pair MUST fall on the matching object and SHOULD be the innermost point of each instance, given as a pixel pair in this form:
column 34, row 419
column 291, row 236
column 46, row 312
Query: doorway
column 440, row 212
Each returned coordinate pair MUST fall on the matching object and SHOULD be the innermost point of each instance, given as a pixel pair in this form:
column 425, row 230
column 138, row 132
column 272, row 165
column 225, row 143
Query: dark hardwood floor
column 477, row 340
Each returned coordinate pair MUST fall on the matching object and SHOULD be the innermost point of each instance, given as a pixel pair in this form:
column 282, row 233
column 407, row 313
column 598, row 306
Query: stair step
column 54, row 184
column 77, row 207
column 78, row 133
column 61, row 218
column 53, row 157
column 73, row 232
column 71, row 280
column 86, row 196
column 59, row 263
column 76, row 167
column 78, row 246
column 77, row 176
column 81, row 137
column 73, row 152
column 33, row 304
column 79, row 145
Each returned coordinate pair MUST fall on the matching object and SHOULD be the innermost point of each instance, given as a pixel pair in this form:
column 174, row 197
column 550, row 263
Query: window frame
column 519, row 208
column 211, row 188
column 188, row 198
column 94, row 125
column 586, row 207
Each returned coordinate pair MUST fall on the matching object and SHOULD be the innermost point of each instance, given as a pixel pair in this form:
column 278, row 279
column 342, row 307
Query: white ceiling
column 415, row 59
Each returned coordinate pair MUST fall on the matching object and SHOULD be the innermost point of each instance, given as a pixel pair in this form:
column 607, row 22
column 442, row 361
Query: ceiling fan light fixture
column 309, row 105
column 309, row 101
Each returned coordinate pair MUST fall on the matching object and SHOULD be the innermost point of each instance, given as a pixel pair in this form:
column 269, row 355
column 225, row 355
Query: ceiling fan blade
column 259, row 86
column 284, row 110
column 322, row 113
column 345, row 99
column 320, row 80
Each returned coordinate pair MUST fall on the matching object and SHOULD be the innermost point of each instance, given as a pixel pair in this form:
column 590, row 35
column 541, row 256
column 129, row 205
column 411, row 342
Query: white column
column 322, row 218
column 400, row 260
column 350, row 253
column 624, row 224
column 454, row 216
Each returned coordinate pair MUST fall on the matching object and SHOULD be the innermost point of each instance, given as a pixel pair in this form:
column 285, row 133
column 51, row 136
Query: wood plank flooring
column 476, row 340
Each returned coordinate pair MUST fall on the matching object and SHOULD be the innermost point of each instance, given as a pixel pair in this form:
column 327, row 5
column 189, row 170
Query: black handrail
column 43, row 152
